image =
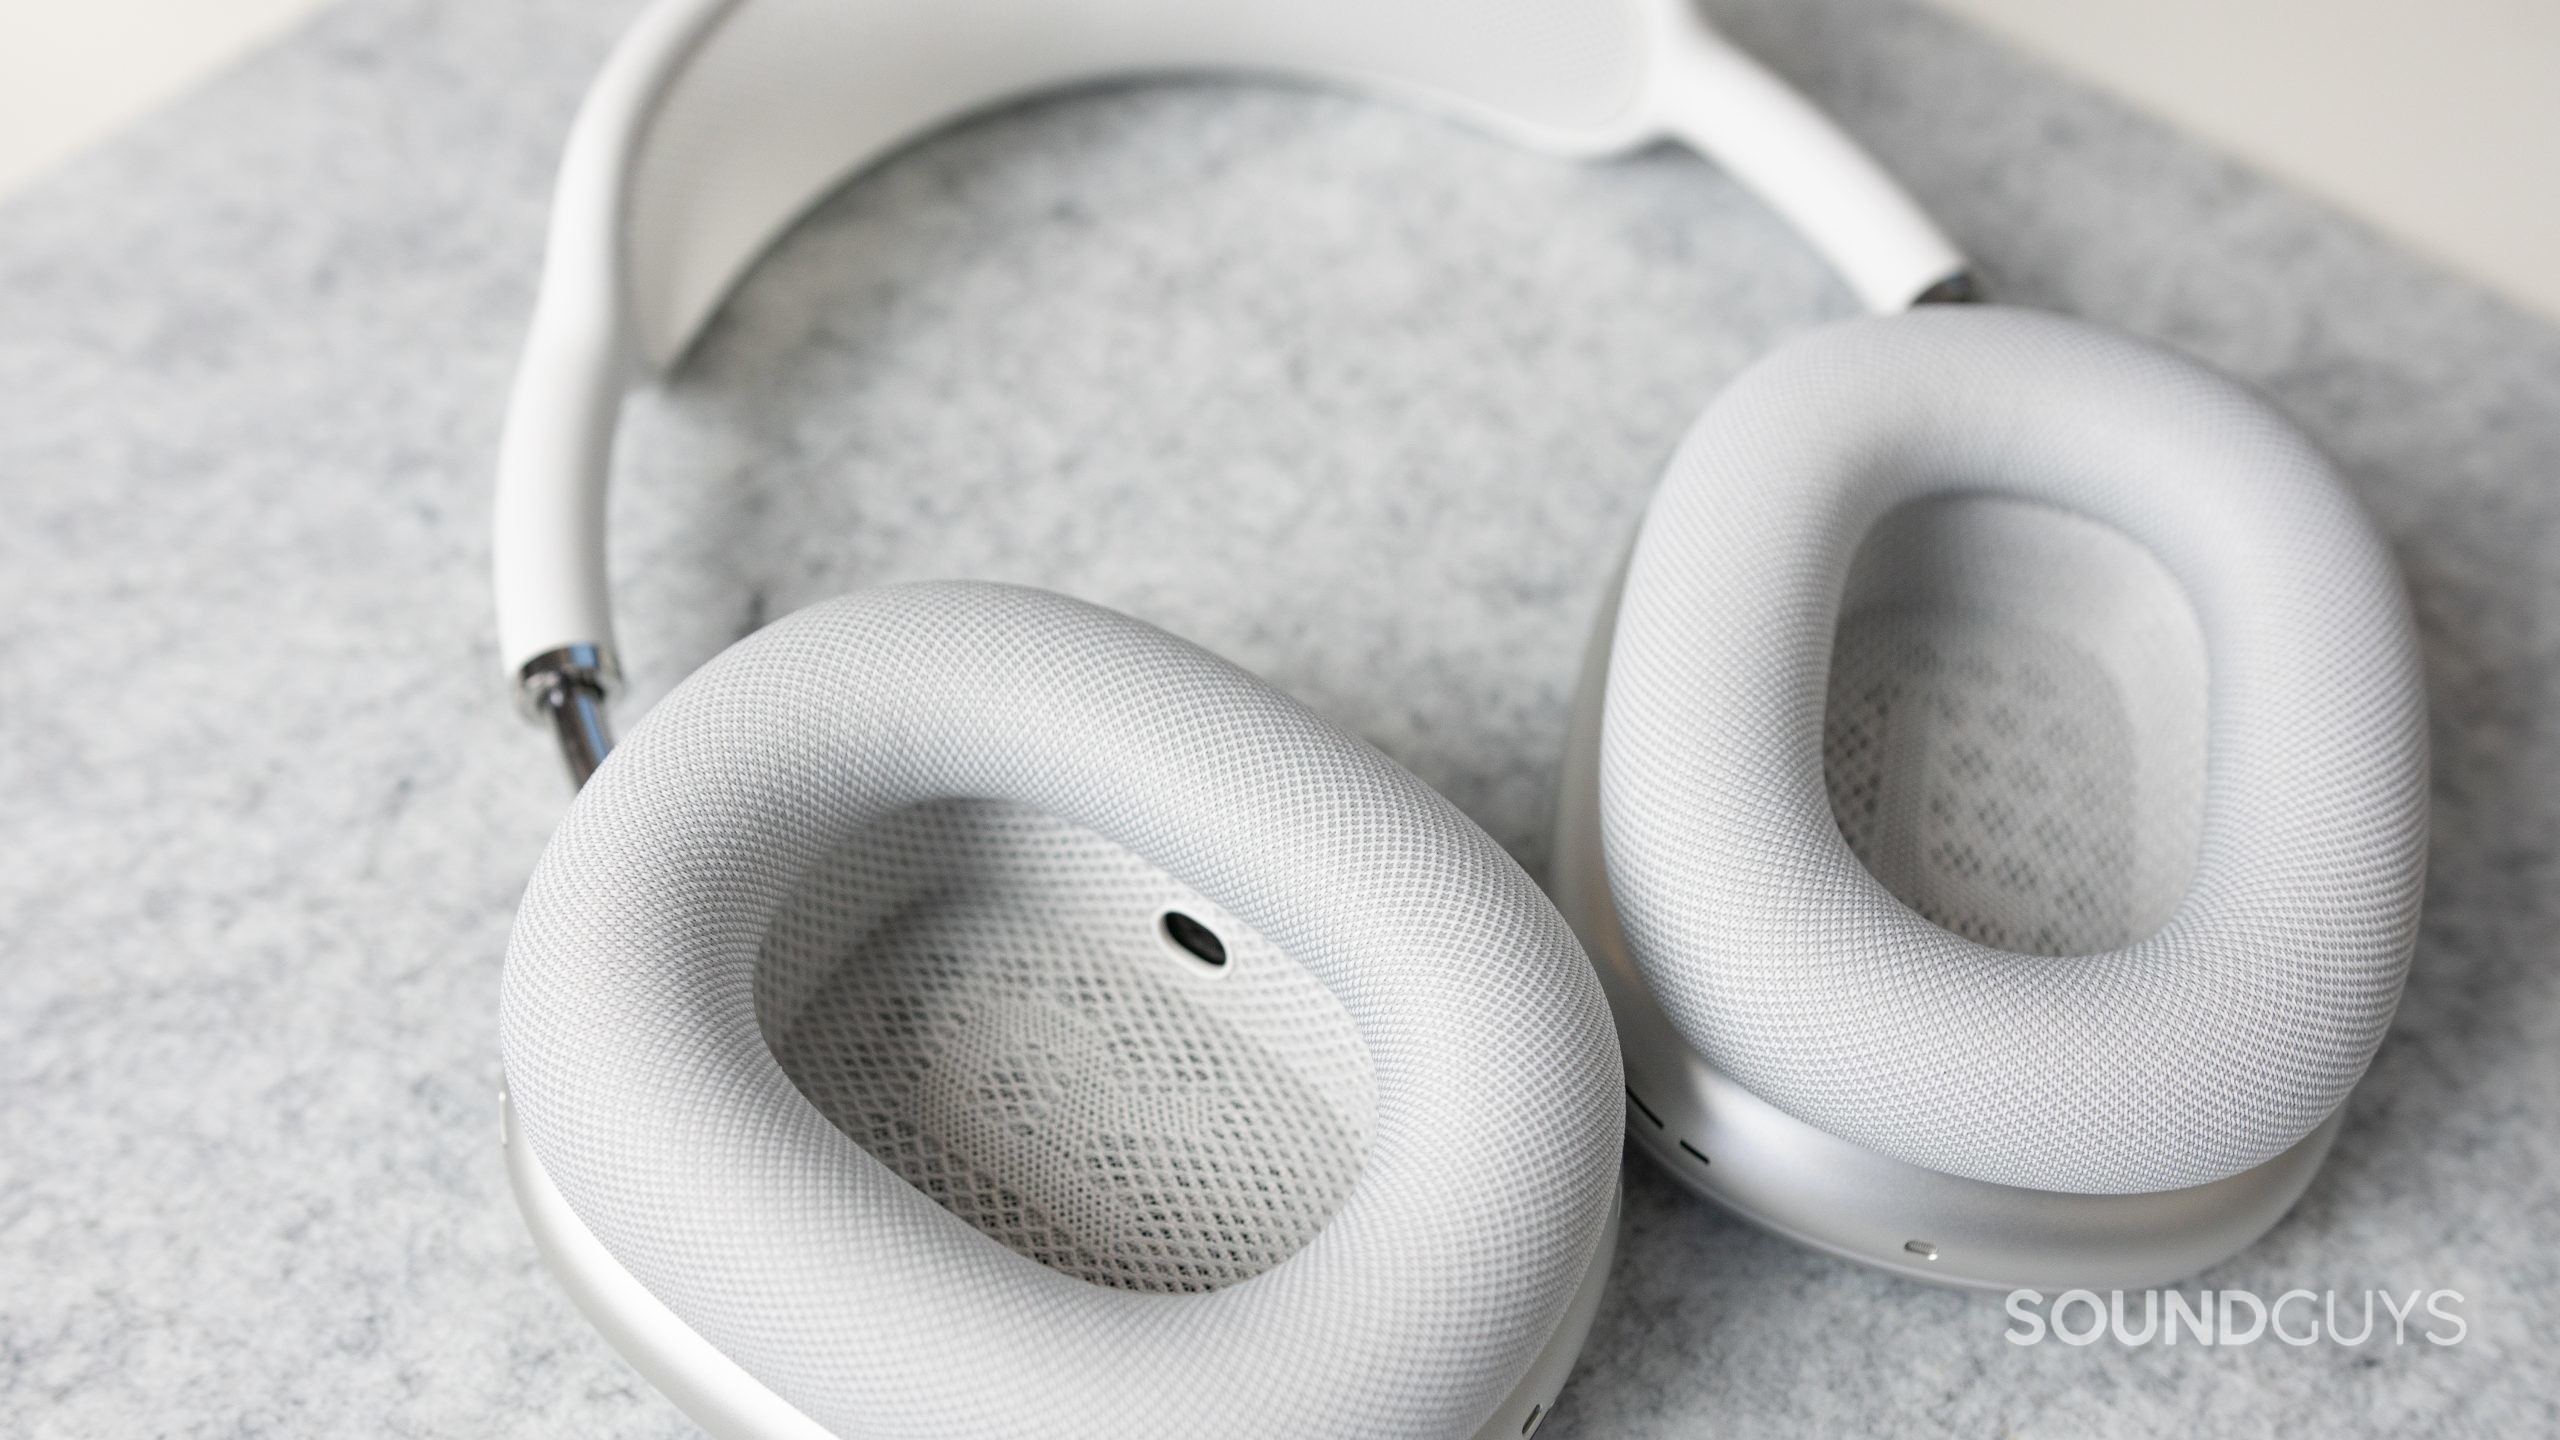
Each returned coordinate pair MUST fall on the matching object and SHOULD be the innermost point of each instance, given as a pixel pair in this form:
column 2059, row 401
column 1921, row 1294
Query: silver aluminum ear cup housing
column 1997, row 804
column 1002, row 766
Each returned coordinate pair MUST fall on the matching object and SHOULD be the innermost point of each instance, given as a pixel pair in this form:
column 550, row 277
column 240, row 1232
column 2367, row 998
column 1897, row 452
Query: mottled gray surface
column 1364, row 402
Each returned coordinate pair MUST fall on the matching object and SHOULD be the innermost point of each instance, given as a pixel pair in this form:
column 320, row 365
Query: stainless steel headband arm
column 569, row 688
column 716, row 123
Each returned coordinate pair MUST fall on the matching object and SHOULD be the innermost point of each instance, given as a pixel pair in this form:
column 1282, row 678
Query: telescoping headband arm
column 716, row 123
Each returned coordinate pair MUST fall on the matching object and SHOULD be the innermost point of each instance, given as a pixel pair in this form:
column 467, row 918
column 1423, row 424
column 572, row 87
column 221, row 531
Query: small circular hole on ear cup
column 1196, row 939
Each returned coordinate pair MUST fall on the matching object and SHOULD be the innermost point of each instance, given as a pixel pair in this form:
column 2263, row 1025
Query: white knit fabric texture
column 2232, row 1017
column 2015, row 734
column 644, row 1080
column 985, row 998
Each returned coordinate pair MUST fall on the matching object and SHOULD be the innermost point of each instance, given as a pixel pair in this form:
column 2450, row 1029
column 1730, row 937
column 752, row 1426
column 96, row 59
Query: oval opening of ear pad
column 2014, row 759
column 975, row 1012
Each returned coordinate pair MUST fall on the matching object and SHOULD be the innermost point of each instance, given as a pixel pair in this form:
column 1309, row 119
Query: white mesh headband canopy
column 716, row 122
column 639, row 1073
column 2197, row 1051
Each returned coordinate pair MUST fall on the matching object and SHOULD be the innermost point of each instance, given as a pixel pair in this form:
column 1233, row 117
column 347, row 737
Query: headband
column 716, row 123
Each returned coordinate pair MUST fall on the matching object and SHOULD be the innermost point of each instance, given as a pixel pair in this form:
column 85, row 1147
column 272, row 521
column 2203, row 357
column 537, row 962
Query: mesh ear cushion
column 636, row 1065
column 991, row 1002
column 2203, row 1047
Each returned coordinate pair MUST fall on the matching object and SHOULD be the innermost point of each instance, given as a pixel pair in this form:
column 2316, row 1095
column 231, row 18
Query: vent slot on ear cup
column 2014, row 738
column 980, row 996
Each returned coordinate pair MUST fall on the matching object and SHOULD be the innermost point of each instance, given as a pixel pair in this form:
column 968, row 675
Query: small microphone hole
column 1921, row 1248
column 1199, row 939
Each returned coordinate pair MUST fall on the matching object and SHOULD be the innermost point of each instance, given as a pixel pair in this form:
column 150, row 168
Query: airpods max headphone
column 1996, row 810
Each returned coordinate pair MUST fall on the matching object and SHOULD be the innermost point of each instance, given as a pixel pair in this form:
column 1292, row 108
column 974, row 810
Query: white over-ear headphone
column 1996, row 806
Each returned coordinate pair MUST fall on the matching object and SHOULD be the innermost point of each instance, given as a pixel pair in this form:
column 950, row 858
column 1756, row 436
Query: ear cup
column 975, row 1012
column 2014, row 758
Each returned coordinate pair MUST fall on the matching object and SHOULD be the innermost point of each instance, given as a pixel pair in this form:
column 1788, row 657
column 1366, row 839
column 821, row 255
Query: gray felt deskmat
column 1364, row 402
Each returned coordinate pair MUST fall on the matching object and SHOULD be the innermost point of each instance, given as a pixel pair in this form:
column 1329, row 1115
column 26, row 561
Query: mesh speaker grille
column 984, row 998
column 2068, row 537
column 862, row 781
column 1982, row 772
column 2014, row 737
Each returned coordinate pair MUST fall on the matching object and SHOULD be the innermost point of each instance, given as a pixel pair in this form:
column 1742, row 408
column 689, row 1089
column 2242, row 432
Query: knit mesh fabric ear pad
column 2095, row 662
column 988, row 1000
column 1348, row 1186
